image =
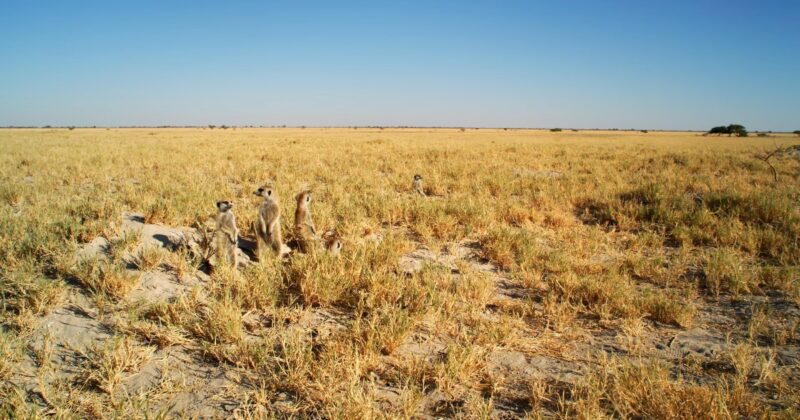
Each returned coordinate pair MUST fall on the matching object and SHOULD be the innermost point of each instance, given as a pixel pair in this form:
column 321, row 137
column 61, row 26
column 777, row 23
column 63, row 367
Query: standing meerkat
column 304, row 228
column 417, row 185
column 227, row 234
column 268, row 229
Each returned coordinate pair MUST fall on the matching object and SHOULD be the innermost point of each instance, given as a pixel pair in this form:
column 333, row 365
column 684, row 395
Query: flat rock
column 97, row 248
column 159, row 286
column 153, row 234
column 516, row 364
column 698, row 342
column 429, row 350
column 414, row 261
column 72, row 327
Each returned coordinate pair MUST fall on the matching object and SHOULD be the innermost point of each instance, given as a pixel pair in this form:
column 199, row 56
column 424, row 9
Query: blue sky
column 582, row 64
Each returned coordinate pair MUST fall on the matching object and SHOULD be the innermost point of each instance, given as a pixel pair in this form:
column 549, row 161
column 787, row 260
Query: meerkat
column 268, row 229
column 417, row 185
column 333, row 243
column 227, row 233
column 303, row 224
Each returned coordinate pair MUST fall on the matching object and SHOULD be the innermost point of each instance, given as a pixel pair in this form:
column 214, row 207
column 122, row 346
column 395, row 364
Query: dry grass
column 630, row 238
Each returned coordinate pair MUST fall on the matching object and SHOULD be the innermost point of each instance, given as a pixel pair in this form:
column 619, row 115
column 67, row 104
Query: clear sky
column 583, row 64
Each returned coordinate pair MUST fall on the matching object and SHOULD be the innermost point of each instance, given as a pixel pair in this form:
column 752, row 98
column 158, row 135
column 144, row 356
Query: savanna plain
column 586, row 274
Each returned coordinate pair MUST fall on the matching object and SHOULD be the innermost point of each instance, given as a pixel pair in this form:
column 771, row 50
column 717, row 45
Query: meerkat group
column 269, row 237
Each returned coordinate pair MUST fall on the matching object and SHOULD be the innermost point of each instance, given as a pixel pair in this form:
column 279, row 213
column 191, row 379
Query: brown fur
column 304, row 228
column 268, row 226
column 227, row 234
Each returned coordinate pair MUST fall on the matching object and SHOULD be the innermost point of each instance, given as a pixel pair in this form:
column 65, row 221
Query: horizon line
column 379, row 127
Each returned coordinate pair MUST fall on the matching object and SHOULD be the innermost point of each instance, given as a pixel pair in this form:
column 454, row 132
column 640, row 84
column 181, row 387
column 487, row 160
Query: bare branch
column 769, row 154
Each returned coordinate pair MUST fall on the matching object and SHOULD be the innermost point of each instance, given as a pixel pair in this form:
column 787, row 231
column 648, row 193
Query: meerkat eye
column 269, row 192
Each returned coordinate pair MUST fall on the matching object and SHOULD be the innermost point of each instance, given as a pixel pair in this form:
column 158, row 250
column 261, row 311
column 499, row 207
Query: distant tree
column 462, row 129
column 643, row 131
column 796, row 132
column 721, row 129
column 224, row 127
column 555, row 130
column 72, row 127
column 212, row 126
column 737, row 129
column 731, row 129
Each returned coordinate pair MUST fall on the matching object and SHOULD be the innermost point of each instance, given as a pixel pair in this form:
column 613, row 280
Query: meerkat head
column 303, row 198
column 266, row 191
column 335, row 246
column 224, row 206
column 333, row 242
column 417, row 177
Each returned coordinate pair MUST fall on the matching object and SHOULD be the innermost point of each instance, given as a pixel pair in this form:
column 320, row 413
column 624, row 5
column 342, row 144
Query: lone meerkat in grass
column 417, row 185
column 332, row 242
column 268, row 228
column 304, row 228
column 227, row 234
